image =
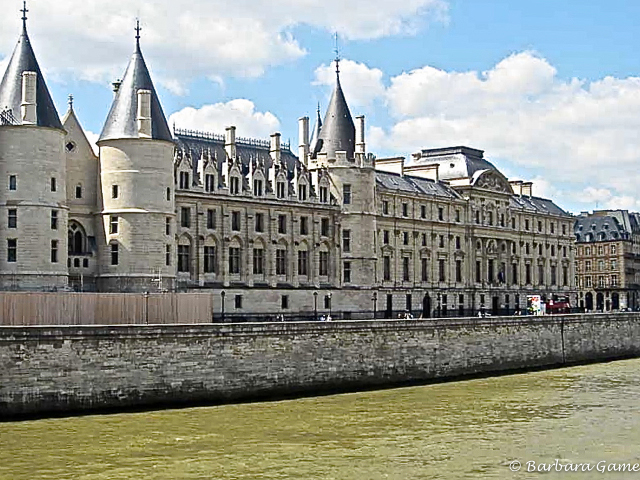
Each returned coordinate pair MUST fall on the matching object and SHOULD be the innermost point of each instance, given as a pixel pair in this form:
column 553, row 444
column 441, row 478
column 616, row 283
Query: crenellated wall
column 72, row 369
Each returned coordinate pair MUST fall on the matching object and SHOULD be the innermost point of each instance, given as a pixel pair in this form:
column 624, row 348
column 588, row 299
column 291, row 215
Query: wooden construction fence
column 17, row 308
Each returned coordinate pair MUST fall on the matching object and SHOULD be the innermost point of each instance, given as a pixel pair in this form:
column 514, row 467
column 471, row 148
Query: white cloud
column 93, row 140
column 216, row 118
column 361, row 84
column 568, row 132
column 211, row 38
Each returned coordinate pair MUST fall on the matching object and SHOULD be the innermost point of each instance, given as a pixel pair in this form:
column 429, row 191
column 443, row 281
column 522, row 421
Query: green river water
column 470, row 429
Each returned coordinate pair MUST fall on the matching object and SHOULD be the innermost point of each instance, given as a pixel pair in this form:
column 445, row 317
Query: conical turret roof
column 122, row 119
column 24, row 60
column 315, row 135
column 338, row 130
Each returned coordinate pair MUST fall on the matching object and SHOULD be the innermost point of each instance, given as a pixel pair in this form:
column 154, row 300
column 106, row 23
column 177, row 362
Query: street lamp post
column 222, row 294
column 375, row 305
column 330, row 305
column 315, row 306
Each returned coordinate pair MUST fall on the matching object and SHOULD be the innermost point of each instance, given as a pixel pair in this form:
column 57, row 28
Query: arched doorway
column 426, row 306
column 589, row 301
column 600, row 301
column 615, row 301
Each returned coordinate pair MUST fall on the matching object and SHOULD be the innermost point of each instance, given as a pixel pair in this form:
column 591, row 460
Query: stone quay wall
column 75, row 369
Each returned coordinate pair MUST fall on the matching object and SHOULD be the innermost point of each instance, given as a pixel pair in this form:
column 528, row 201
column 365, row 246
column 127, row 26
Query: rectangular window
column 303, row 263
column 490, row 271
column 210, row 259
column 324, row 227
column 234, row 260
column 441, row 241
column 259, row 223
column 346, row 194
column 114, row 191
column 527, row 274
column 405, row 269
column 385, row 207
column 477, row 219
column 282, row 224
column 458, row 243
column 281, row 261
column 324, row 264
column 78, row 191
column 258, row 261
column 457, row 215
column 184, row 254
column 346, row 272
column 167, row 226
column 526, row 224
column 284, row 302
column 490, row 218
column 211, row 219
column 209, row 182
column 327, row 301
column 346, row 240
column 54, row 251
column 478, row 271
column 502, row 219
column 257, row 187
column 237, row 302
column 12, row 220
column 565, row 276
column 405, row 209
column 54, row 219
column 442, row 271
column 302, row 192
column 386, row 267
column 324, row 194
column 184, row 180
column 234, row 186
column 385, row 237
column 235, row 221
column 167, row 255
column 440, row 213
column 553, row 275
column 423, row 211
column 13, row 182
column 185, row 217
column 53, row 184
column 513, row 222
column 540, row 275
column 458, row 270
column 424, row 239
column 114, row 254
column 12, row 250
column 405, row 238
column 304, row 225
column 407, row 302
column 514, row 274
column 539, row 226
column 614, row 280
column 552, row 226
column 280, row 190
column 424, row 269
column 113, row 224
column 168, row 194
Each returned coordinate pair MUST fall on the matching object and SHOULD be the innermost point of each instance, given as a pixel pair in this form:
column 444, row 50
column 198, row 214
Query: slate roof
column 338, row 131
column 606, row 226
column 537, row 204
column 455, row 162
column 122, row 119
column 413, row 185
column 24, row 60
column 195, row 143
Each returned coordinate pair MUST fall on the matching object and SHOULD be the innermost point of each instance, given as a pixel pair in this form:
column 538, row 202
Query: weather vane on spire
column 70, row 101
column 138, row 28
column 337, row 50
column 24, row 12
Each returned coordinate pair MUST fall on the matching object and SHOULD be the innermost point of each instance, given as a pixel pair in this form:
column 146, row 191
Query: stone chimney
column 517, row 186
column 275, row 151
column 360, row 145
column 527, row 189
column 144, row 113
column 303, row 134
column 28, row 111
column 230, row 143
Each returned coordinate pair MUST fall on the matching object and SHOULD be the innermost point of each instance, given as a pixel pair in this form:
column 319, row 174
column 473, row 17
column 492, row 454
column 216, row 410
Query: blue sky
column 548, row 89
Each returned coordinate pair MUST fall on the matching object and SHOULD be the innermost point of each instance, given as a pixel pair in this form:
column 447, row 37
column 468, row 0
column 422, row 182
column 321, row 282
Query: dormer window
column 302, row 192
column 257, row 187
column 209, row 184
column 280, row 189
column 234, row 185
column 184, row 180
column 324, row 194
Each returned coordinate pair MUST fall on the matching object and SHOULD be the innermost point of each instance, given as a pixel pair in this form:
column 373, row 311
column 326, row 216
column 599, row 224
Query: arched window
column 76, row 239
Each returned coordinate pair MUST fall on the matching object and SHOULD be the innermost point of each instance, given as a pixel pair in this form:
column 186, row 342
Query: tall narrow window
column 114, row 254
column 168, row 194
column 12, row 250
column 346, row 272
column 209, row 182
column 78, row 191
column 324, row 264
column 302, row 192
column 425, row 269
column 478, row 271
column 440, row 213
column 54, row 219
column 12, row 220
column 259, row 222
column 280, row 190
column 210, row 259
column 282, row 224
column 405, row 269
column 258, row 261
column 167, row 226
column 405, row 209
column 113, row 224
column 346, row 194
column 234, row 260
column 423, row 211
column 442, row 277
column 304, row 225
column 346, row 240
column 281, row 261
column 54, row 187
column 114, row 191
column 184, row 258
column 235, row 221
column 458, row 270
column 303, row 262
column 324, row 227
column 184, row 180
column 167, row 255
column 185, row 217
column 211, row 219
column 13, row 182
column 324, row 194
column 54, row 251
column 234, row 186
column 257, row 187
column 386, row 268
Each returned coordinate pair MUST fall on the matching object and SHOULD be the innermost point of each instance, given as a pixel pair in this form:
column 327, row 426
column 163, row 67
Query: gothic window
column 209, row 182
column 234, row 185
column 303, row 262
column 210, row 259
column 280, row 190
column 184, row 180
column 184, row 258
column 324, row 264
column 234, row 260
column 324, row 194
column 302, row 192
column 257, row 187
column 281, row 261
column 76, row 239
column 258, row 261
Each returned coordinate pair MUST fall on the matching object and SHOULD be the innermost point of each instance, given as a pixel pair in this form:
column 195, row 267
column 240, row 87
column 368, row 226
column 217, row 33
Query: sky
column 549, row 90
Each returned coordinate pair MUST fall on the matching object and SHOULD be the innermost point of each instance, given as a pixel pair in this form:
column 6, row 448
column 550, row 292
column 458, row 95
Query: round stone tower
column 33, row 210
column 136, row 239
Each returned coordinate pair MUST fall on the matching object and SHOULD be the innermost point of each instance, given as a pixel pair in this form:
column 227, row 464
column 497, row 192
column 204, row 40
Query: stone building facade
column 608, row 260
column 331, row 229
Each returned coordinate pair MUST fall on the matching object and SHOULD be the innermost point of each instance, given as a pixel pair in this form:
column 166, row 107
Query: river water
column 469, row 429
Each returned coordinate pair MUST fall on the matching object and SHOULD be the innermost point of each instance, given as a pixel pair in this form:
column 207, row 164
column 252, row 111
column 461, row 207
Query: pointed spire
column 122, row 119
column 314, row 146
column 23, row 60
column 70, row 101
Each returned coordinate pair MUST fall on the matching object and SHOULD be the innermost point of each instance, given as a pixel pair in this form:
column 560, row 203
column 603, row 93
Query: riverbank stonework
column 47, row 370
